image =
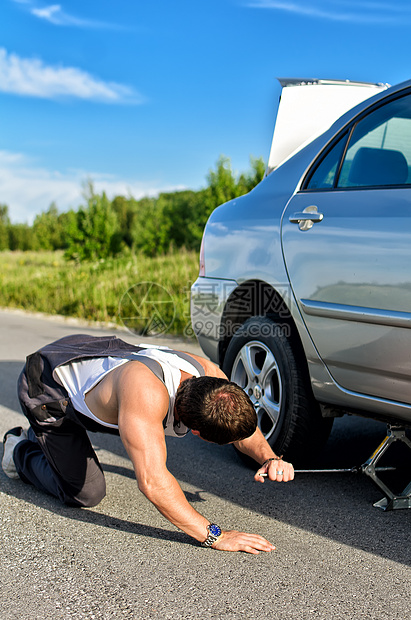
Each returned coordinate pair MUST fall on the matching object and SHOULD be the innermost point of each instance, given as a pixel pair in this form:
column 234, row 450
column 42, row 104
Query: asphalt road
column 337, row 556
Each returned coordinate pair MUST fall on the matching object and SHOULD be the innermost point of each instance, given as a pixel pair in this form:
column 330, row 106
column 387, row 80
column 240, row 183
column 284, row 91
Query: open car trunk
column 308, row 107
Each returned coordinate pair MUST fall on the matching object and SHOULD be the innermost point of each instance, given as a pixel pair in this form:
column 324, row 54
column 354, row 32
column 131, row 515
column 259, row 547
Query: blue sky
column 142, row 97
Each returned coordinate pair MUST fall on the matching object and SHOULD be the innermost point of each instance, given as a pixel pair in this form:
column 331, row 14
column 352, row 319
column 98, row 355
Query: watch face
column 214, row 529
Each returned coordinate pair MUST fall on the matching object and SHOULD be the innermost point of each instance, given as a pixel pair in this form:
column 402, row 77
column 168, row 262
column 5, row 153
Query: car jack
column 391, row 501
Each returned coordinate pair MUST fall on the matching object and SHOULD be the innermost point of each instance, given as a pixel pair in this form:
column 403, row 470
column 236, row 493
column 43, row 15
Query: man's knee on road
column 90, row 495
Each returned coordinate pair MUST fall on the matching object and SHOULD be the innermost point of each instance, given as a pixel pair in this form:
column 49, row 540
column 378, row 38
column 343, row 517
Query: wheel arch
column 257, row 298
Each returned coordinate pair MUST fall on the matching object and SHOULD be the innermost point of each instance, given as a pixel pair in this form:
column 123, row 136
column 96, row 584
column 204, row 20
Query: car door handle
column 305, row 219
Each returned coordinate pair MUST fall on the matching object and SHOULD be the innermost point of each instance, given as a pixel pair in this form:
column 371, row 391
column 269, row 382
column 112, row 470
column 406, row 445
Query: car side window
column 323, row 176
column 379, row 151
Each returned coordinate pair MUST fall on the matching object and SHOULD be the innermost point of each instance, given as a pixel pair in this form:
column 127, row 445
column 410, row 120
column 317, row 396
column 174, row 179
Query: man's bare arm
column 140, row 426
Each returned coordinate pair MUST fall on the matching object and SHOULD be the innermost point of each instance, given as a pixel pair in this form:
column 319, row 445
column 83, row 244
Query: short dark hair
column 217, row 408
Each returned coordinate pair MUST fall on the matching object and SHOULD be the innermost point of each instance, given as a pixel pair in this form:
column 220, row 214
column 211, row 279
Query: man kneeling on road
column 82, row 383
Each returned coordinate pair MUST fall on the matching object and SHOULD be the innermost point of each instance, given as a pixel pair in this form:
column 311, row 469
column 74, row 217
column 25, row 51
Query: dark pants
column 58, row 458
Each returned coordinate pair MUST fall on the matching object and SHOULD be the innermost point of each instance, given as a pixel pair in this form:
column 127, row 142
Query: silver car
column 304, row 292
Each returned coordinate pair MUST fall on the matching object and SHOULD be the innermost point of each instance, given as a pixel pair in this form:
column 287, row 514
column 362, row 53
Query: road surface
column 337, row 556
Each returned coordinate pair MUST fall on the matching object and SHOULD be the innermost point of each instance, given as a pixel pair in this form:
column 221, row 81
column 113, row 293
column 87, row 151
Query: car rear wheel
column 262, row 358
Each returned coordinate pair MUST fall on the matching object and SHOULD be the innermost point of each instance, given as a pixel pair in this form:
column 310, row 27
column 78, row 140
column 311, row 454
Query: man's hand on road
column 277, row 470
column 231, row 540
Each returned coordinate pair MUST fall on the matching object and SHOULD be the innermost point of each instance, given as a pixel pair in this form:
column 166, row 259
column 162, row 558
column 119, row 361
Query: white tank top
column 80, row 377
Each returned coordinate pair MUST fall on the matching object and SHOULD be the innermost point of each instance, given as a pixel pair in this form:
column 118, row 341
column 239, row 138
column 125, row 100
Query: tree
column 247, row 182
column 126, row 212
column 91, row 232
column 150, row 229
column 47, row 230
column 4, row 227
column 21, row 237
column 180, row 211
column 223, row 186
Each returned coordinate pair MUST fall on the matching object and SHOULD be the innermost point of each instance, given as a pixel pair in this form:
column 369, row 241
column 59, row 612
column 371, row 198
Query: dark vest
column 46, row 402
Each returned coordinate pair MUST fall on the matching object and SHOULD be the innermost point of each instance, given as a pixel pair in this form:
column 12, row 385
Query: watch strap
column 214, row 532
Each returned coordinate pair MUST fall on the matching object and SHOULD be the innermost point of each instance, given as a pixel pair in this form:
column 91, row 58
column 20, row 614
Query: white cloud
column 339, row 10
column 31, row 77
column 56, row 16
column 29, row 189
column 51, row 13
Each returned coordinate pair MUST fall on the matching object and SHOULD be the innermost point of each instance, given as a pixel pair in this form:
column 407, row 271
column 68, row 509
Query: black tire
column 262, row 358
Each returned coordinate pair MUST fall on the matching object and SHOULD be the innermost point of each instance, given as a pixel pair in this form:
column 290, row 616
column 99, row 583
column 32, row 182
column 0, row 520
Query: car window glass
column 324, row 175
column 379, row 152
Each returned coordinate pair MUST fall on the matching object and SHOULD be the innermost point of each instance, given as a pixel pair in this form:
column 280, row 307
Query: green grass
column 113, row 290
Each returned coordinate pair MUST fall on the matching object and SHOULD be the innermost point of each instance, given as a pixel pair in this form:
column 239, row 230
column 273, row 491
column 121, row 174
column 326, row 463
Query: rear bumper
column 208, row 300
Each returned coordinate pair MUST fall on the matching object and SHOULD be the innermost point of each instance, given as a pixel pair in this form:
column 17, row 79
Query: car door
column 346, row 239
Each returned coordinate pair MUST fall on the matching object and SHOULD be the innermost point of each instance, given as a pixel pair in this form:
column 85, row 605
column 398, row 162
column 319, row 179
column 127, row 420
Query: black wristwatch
column 214, row 532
